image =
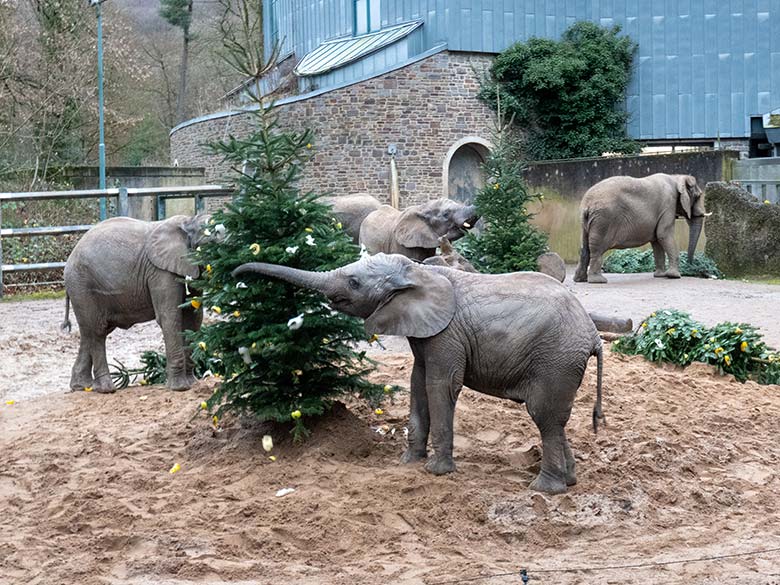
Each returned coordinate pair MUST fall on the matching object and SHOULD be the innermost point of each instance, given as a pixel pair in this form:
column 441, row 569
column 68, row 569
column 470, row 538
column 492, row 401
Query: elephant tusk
column 466, row 224
column 708, row 214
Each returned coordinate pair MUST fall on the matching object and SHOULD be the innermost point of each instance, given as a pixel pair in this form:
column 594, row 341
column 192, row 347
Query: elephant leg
column 167, row 294
column 571, row 465
column 673, row 253
column 191, row 321
column 557, row 459
column 443, row 384
column 81, row 374
column 660, row 260
column 419, row 418
column 596, row 261
column 103, row 382
column 581, row 273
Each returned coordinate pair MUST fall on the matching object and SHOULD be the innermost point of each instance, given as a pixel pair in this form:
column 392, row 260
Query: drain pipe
column 394, row 192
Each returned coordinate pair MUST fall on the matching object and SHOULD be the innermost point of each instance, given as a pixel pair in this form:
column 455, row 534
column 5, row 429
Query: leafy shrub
column 632, row 260
column 672, row 336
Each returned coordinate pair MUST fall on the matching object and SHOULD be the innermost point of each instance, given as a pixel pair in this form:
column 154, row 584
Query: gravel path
column 36, row 357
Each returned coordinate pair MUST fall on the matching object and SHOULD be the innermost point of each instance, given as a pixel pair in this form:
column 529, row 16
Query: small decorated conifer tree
column 509, row 242
column 283, row 353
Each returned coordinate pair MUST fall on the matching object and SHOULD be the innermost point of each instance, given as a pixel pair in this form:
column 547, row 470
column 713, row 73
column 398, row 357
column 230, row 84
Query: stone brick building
column 377, row 79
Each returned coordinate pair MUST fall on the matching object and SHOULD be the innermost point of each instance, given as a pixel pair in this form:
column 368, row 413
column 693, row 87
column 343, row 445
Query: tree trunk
column 181, row 99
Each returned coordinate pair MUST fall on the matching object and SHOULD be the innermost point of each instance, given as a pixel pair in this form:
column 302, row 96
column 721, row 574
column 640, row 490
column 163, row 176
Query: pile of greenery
column 508, row 242
column 284, row 354
column 632, row 260
column 152, row 370
column 672, row 336
column 568, row 96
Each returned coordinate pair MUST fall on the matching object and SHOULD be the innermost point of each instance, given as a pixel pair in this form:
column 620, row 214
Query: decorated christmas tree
column 283, row 353
column 509, row 242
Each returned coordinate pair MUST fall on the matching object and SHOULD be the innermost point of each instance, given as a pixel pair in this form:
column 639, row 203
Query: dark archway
column 463, row 170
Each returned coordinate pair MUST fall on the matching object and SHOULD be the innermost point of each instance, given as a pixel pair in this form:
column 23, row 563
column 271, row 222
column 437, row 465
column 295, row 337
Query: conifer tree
column 508, row 242
column 283, row 352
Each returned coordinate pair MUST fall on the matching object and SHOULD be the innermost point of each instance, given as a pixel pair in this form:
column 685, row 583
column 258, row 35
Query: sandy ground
column 686, row 468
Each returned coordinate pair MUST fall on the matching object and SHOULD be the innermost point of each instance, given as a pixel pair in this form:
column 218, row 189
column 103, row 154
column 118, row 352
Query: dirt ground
column 688, row 467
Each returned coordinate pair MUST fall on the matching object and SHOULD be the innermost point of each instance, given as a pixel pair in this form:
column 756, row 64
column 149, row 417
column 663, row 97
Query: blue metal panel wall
column 702, row 69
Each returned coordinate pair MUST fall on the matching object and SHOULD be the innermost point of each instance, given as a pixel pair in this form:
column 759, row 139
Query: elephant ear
column 684, row 185
column 422, row 304
column 170, row 242
column 414, row 231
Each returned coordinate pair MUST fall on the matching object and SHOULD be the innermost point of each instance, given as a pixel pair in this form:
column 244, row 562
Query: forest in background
column 48, row 78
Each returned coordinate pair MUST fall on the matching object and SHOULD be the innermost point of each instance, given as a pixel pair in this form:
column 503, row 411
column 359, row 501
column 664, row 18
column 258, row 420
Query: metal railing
column 122, row 195
column 763, row 189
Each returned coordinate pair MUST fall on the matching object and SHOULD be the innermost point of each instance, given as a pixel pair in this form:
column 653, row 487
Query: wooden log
column 612, row 324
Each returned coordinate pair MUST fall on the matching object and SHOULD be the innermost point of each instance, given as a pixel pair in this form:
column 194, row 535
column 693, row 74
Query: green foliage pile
column 568, row 95
column 283, row 352
column 509, row 242
column 152, row 370
column 632, row 260
column 672, row 336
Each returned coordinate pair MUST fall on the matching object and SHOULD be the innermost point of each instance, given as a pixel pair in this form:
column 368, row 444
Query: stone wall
column 422, row 108
column 743, row 233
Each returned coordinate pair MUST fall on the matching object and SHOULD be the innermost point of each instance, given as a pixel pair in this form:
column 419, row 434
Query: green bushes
column 672, row 336
column 633, row 260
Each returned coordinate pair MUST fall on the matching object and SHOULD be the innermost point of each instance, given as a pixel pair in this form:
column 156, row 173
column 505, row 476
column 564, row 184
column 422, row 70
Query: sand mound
column 687, row 467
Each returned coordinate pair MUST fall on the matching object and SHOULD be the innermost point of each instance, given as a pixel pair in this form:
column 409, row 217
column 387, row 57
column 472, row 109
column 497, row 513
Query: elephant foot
column 181, row 382
column 580, row 276
column 78, row 386
column 440, row 465
column 103, row 384
column 596, row 279
column 548, row 484
column 413, row 456
column 659, row 274
column 672, row 274
column 571, row 477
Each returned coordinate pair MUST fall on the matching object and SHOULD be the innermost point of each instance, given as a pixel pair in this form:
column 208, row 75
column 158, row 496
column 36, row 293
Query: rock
column 552, row 264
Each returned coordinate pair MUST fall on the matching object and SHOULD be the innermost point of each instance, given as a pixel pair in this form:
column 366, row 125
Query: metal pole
column 1, row 252
column 102, row 144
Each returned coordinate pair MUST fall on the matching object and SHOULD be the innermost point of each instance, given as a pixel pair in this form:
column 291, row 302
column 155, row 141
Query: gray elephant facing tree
column 415, row 231
column 521, row 336
column 626, row 212
column 124, row 271
column 351, row 210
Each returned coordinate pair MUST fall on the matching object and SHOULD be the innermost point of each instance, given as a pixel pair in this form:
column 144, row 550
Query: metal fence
column 122, row 195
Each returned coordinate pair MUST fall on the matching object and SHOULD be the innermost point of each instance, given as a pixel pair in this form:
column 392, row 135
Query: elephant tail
column 598, row 415
column 65, row 327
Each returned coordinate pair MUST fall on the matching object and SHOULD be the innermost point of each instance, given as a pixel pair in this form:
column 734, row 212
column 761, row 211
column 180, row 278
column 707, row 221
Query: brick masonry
column 423, row 108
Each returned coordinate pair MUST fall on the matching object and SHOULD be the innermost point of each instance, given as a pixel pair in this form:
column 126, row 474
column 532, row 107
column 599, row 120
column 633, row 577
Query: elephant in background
column 351, row 210
column 521, row 336
column 124, row 271
column 415, row 232
column 625, row 212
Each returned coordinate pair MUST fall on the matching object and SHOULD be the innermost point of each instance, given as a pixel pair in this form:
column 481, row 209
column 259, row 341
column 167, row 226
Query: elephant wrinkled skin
column 124, row 271
column 351, row 210
column 415, row 231
column 625, row 212
column 520, row 336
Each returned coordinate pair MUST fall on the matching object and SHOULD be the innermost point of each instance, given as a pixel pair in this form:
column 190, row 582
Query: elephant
column 125, row 271
column 521, row 336
column 415, row 232
column 625, row 212
column 351, row 210
column 449, row 257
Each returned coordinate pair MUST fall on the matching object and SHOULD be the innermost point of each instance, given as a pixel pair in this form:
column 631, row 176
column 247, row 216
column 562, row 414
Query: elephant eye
column 354, row 284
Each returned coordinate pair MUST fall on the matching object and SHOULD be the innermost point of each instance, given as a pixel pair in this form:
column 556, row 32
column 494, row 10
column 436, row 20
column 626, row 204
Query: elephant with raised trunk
column 625, row 212
column 415, row 231
column 521, row 336
column 124, row 271
column 351, row 210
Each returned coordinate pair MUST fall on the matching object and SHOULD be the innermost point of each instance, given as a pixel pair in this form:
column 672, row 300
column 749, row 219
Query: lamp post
column 102, row 143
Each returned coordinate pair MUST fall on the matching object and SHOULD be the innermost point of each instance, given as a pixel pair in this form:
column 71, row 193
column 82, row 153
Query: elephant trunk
column 471, row 216
column 319, row 281
column 695, row 225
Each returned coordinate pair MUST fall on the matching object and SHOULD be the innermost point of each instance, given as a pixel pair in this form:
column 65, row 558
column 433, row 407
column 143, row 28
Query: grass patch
column 35, row 296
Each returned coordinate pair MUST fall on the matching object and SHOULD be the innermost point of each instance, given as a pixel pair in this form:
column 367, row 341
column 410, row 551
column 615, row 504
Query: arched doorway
column 463, row 175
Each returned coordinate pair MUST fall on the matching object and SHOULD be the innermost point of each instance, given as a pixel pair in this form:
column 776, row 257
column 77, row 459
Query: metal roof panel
column 336, row 53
